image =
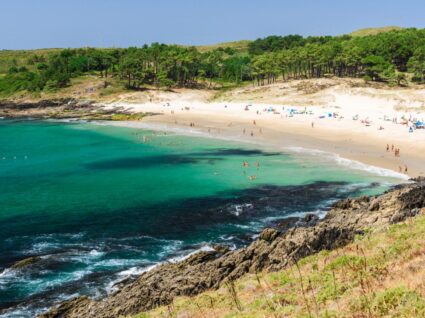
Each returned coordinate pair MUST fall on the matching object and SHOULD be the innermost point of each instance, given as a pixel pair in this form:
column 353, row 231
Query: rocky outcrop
column 48, row 108
column 26, row 262
column 65, row 108
column 272, row 251
column 45, row 103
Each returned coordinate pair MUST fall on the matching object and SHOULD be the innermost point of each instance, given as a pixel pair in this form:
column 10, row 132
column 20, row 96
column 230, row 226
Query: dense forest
column 393, row 57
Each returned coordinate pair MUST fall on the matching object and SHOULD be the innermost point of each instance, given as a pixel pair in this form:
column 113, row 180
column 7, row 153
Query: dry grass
column 379, row 275
column 239, row 46
column 374, row 31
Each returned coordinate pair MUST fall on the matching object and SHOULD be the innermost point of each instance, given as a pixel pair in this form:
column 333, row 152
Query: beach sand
column 342, row 137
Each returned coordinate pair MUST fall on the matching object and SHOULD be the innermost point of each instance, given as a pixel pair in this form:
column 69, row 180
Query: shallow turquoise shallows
column 100, row 203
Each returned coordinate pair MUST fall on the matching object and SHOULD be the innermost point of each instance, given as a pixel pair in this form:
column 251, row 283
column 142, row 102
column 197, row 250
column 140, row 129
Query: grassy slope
column 374, row 31
column 239, row 46
column 9, row 57
column 379, row 275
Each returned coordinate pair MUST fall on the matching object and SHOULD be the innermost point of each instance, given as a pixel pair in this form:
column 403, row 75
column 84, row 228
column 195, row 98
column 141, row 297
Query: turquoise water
column 98, row 203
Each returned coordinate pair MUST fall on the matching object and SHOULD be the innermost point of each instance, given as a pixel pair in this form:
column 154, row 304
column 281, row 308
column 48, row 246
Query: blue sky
column 26, row 24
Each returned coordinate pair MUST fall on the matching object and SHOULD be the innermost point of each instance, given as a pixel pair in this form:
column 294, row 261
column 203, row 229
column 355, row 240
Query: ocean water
column 98, row 204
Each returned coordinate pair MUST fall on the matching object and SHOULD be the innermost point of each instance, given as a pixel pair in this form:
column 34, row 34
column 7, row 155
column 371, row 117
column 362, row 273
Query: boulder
column 268, row 235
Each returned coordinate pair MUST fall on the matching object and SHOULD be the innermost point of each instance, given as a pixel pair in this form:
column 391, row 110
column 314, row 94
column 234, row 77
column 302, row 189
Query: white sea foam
column 348, row 163
column 226, row 238
column 205, row 248
column 238, row 209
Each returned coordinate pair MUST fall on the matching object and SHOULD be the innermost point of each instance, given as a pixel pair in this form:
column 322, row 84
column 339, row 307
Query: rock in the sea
column 26, row 262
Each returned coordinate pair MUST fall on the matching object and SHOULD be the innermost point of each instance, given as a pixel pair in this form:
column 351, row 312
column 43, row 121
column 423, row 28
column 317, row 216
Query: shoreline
column 344, row 137
column 351, row 118
column 293, row 150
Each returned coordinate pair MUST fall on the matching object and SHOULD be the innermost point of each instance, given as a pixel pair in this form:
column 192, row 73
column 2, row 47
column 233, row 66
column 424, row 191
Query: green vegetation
column 379, row 275
column 393, row 57
column 136, row 116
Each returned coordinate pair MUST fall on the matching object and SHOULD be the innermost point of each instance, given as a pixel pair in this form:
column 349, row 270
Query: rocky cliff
column 275, row 249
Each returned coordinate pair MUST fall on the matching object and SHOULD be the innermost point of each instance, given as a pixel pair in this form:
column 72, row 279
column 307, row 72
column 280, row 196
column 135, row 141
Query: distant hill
column 374, row 31
column 239, row 46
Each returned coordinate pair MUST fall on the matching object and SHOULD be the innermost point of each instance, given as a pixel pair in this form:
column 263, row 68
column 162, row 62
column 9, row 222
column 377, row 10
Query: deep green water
column 97, row 203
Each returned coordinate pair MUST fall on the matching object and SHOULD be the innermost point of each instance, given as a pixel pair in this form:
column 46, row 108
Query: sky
column 29, row 24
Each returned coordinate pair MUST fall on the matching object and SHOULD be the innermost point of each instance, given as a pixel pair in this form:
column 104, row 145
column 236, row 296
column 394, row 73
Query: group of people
column 254, row 123
column 393, row 149
column 401, row 168
column 245, row 164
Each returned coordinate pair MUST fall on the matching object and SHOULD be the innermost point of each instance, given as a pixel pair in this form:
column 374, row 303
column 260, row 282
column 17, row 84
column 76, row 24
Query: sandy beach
column 338, row 118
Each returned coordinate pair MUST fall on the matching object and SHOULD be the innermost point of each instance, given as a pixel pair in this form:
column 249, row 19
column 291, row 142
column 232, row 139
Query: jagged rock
column 222, row 249
column 62, row 309
column 374, row 205
column 310, row 219
column 342, row 204
column 271, row 252
column 268, row 235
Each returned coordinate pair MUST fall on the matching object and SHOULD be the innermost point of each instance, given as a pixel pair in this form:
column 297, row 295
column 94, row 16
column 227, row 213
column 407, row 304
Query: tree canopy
column 383, row 57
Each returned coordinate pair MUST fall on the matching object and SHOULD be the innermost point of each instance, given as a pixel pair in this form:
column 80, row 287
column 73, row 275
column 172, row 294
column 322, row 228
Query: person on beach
column 392, row 147
column 405, row 169
column 252, row 134
column 388, row 147
column 312, row 124
column 254, row 122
